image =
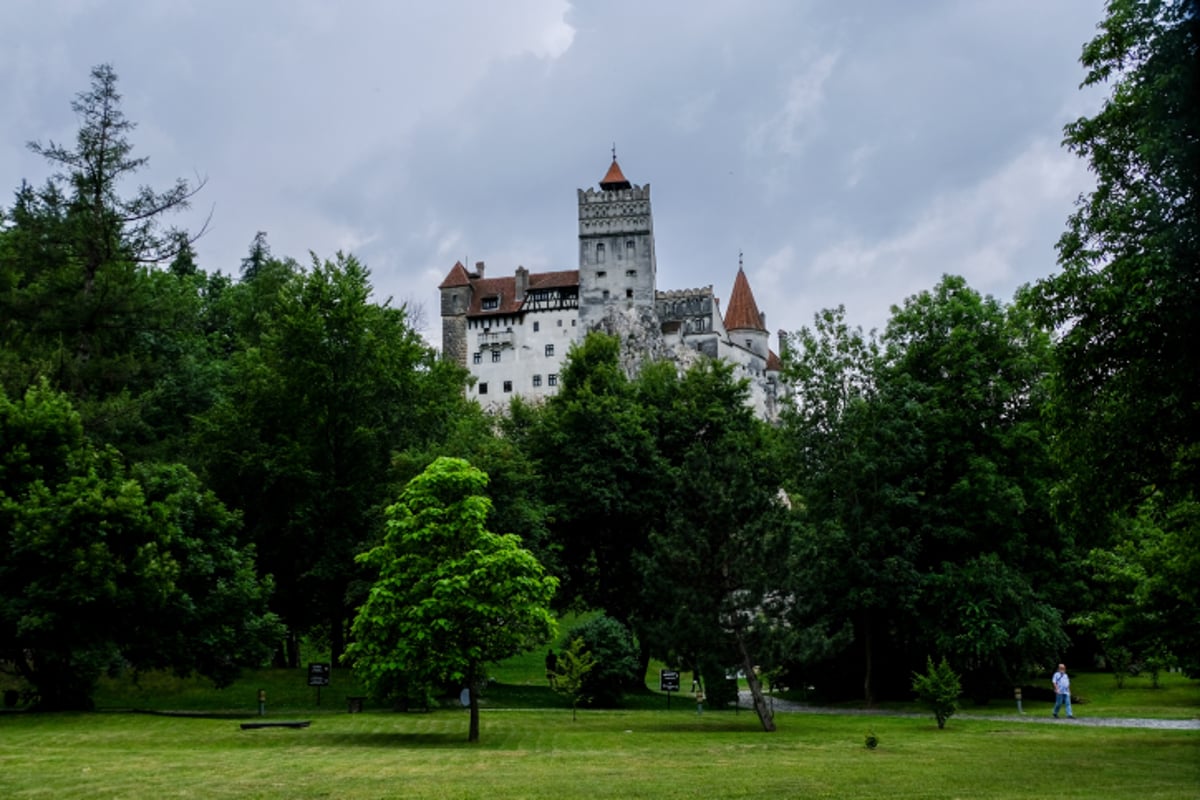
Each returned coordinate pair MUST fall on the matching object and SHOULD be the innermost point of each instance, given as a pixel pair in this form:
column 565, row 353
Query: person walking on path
column 1062, row 691
column 552, row 668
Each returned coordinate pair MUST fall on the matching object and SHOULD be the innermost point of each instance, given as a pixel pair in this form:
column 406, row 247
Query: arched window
column 600, row 253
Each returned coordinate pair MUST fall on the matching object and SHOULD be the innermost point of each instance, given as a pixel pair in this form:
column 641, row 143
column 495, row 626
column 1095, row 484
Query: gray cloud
column 854, row 152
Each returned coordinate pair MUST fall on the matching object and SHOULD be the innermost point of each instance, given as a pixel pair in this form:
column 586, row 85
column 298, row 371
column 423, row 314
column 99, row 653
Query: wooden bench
column 302, row 723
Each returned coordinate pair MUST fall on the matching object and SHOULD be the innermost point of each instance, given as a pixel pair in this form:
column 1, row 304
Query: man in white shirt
column 1062, row 691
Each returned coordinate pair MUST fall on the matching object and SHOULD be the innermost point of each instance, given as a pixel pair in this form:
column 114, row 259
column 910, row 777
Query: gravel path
column 788, row 707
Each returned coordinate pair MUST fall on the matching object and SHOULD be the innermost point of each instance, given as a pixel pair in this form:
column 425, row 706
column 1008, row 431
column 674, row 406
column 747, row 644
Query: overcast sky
column 853, row 151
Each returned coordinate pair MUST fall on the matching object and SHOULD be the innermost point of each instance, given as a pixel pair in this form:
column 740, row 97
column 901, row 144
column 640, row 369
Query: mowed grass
column 604, row 754
column 191, row 746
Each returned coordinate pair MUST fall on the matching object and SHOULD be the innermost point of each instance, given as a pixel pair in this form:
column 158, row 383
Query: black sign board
column 668, row 680
column 318, row 674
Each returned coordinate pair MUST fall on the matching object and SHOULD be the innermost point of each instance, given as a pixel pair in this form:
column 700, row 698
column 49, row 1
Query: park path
column 789, row 707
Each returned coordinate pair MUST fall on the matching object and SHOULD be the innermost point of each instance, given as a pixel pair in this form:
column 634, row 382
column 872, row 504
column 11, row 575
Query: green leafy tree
column 1126, row 402
column 84, row 302
column 924, row 476
column 938, row 689
column 104, row 567
column 451, row 596
column 322, row 388
column 849, row 443
column 596, row 455
column 615, row 660
column 570, row 678
column 716, row 570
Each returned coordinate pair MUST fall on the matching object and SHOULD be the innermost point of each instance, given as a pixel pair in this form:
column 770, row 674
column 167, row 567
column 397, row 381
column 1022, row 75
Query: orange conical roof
column 743, row 311
column 456, row 277
column 614, row 179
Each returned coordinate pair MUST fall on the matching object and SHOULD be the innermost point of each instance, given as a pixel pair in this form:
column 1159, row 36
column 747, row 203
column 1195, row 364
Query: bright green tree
column 938, row 688
column 570, row 678
column 450, row 595
column 103, row 567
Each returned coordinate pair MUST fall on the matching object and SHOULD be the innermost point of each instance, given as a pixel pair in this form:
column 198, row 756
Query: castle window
column 629, row 293
column 495, row 356
column 536, row 327
column 572, row 323
column 749, row 344
column 560, row 323
column 600, row 253
column 601, row 274
column 606, row 294
column 552, row 379
column 508, row 386
column 549, row 350
column 483, row 388
column 477, row 358
column 490, row 303
column 629, row 249
column 537, row 380
column 631, row 273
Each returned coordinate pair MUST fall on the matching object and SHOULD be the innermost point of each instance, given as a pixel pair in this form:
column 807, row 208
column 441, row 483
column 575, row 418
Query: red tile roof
column 774, row 363
column 456, row 277
column 614, row 178
column 505, row 290
column 743, row 311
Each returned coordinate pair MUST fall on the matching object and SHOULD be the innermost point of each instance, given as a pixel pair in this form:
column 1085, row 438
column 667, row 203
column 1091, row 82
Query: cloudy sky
column 853, row 151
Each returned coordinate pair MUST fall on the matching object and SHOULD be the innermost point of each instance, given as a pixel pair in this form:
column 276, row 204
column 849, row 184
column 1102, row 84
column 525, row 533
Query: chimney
column 522, row 284
column 478, row 269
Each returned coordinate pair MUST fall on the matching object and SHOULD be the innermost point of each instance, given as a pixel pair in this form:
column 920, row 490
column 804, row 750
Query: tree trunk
column 761, row 707
column 474, row 684
column 868, row 695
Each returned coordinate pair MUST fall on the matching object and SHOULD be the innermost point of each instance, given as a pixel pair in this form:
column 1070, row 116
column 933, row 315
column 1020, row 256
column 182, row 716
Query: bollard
column 262, row 702
column 1017, row 692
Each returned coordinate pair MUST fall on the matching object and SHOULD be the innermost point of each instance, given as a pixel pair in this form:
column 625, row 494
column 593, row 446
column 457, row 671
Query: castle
column 513, row 333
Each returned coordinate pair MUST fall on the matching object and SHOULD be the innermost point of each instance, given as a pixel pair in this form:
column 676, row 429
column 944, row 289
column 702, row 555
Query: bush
column 872, row 741
column 611, row 645
column 938, row 689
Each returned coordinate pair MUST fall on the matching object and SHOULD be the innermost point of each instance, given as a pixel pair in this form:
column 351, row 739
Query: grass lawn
column 531, row 749
column 541, row 753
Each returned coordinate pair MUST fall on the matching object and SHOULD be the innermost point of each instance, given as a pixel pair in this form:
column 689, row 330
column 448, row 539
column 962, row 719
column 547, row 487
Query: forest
column 193, row 457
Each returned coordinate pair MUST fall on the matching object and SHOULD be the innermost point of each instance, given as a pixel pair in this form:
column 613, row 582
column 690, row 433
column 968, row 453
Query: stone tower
column 617, row 270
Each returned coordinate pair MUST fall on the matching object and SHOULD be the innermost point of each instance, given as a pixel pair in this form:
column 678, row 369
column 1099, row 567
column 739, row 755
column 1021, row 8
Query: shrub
column 616, row 660
column 872, row 741
column 938, row 689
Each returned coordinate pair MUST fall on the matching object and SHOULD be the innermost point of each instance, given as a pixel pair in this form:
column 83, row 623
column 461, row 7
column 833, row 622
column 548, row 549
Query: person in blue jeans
column 1062, row 691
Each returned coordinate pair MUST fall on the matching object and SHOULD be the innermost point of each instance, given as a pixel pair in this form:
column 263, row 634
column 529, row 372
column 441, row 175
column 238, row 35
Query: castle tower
column 745, row 324
column 617, row 269
column 456, row 300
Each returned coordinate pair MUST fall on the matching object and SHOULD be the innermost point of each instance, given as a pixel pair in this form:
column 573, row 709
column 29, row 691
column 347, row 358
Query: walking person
column 1062, row 691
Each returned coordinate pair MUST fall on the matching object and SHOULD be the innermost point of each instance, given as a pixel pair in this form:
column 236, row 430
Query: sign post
column 668, row 681
column 318, row 676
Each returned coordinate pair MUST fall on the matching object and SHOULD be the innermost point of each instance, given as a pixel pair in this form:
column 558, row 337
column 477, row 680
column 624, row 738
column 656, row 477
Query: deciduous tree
column 450, row 595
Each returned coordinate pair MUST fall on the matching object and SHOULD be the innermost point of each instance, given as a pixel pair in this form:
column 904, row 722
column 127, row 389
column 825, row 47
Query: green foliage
column 321, row 387
column 922, row 468
column 575, row 664
column 596, row 458
column 106, row 566
column 1147, row 588
column 938, row 689
column 1126, row 402
column 82, row 303
column 450, row 595
column 611, row 647
column 871, row 740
